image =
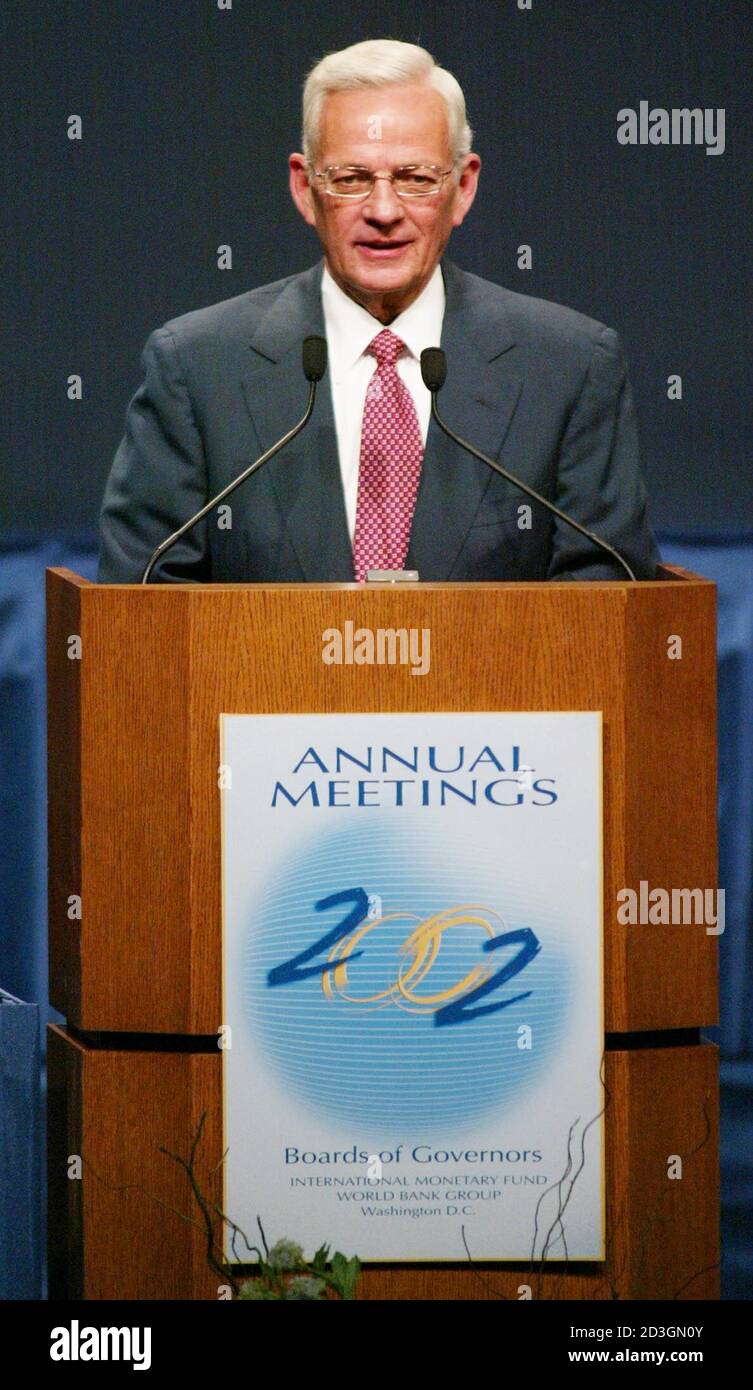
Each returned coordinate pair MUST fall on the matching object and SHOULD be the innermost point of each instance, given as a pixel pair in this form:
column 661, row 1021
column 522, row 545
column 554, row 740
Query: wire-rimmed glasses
column 352, row 181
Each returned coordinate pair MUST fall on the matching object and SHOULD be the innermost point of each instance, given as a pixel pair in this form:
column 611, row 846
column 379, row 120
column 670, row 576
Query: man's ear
column 300, row 188
column 466, row 188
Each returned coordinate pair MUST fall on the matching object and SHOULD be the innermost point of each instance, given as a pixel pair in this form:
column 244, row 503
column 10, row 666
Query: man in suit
column 385, row 174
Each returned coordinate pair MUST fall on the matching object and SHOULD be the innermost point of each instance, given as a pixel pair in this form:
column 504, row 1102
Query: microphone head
column 314, row 358
column 433, row 368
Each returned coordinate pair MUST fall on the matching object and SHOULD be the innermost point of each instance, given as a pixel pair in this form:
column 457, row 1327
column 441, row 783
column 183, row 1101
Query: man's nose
column 383, row 204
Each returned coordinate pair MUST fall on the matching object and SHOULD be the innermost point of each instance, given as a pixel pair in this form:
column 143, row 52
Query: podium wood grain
column 134, row 841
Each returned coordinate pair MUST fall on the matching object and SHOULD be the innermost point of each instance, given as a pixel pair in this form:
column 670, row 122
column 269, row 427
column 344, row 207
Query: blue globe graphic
column 369, row 1053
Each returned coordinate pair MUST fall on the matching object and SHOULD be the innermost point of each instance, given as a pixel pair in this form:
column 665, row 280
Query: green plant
column 283, row 1273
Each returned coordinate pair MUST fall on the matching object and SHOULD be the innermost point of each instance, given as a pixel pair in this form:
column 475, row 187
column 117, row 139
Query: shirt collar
column 350, row 328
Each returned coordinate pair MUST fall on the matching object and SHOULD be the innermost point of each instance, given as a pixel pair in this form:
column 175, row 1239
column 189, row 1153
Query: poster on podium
column 412, row 967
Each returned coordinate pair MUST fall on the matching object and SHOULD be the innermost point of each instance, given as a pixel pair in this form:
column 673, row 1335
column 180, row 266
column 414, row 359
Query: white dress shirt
column 350, row 329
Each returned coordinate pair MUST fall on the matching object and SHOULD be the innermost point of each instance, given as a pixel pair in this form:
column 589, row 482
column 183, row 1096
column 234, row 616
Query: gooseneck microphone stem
column 530, row 492
column 226, row 491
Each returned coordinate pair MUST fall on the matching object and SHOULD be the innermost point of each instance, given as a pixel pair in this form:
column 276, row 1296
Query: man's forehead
column 412, row 120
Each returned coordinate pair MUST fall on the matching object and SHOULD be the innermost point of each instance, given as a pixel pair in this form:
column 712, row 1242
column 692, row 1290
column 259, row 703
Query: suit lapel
column 477, row 401
column 305, row 477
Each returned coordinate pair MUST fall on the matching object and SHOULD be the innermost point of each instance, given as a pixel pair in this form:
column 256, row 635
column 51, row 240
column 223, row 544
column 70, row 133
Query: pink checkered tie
column 389, row 466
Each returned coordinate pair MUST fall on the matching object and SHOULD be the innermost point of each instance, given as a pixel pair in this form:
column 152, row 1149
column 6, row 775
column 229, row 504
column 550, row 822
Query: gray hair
column 382, row 63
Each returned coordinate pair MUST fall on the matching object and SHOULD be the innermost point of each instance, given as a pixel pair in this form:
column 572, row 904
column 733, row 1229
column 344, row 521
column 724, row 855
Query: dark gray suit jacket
column 537, row 386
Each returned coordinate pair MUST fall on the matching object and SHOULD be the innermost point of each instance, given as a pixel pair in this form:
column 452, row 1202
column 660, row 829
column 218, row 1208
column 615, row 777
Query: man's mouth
column 380, row 249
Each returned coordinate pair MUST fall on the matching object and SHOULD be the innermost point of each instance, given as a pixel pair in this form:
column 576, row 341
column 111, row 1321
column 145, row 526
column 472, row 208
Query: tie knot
column 386, row 347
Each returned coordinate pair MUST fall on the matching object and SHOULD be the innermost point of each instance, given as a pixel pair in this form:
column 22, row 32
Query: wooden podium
column 137, row 680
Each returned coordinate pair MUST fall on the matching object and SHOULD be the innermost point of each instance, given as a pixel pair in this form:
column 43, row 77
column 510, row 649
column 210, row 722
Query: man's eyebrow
column 399, row 164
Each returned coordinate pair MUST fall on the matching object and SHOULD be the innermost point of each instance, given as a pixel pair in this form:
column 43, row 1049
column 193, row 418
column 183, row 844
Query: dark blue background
column 189, row 114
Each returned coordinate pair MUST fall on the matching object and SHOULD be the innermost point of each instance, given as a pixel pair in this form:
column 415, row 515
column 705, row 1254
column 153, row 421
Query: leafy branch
column 282, row 1272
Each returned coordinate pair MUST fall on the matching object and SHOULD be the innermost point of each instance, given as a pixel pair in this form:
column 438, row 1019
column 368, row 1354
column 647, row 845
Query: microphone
column 434, row 372
column 314, row 359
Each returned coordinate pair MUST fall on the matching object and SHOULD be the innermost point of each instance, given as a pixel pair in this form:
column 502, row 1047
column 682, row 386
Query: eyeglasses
column 409, row 181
